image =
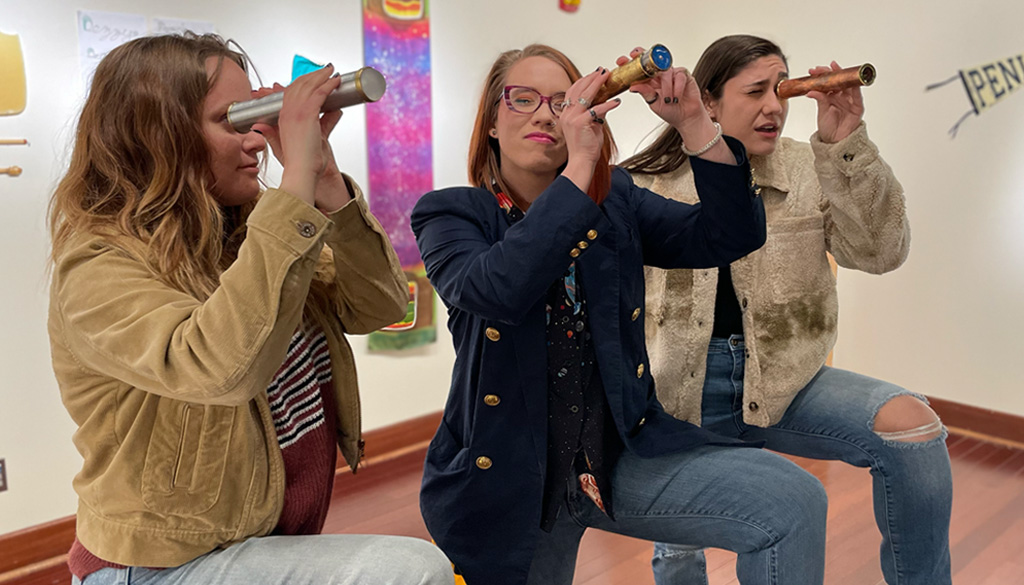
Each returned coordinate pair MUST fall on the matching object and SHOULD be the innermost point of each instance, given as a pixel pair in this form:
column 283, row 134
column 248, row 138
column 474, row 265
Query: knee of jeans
column 806, row 501
column 907, row 419
column 817, row 498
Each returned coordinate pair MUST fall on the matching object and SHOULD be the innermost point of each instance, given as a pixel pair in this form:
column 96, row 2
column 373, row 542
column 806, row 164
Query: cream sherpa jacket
column 840, row 198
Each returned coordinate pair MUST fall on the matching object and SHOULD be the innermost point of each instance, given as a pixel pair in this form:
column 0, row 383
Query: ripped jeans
column 832, row 418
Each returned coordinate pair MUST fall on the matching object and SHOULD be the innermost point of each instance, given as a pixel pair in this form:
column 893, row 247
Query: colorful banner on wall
column 986, row 85
column 396, row 39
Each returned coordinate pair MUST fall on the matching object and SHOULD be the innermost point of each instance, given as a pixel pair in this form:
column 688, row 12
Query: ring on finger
column 583, row 102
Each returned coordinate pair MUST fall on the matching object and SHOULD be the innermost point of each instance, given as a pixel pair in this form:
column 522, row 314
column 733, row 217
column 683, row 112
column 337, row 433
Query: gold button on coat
column 592, row 235
column 575, row 252
column 484, row 462
column 492, row 334
column 582, row 245
column 640, row 371
column 636, row 314
column 492, row 400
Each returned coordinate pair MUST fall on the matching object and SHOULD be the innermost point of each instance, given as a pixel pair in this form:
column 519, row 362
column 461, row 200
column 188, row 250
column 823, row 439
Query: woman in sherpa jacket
column 741, row 349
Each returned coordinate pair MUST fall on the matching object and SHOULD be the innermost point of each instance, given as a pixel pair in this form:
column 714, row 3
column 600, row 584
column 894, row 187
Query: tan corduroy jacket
column 840, row 198
column 169, row 393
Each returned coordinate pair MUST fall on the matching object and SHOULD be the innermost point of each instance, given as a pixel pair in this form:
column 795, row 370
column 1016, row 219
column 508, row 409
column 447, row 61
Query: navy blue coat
column 484, row 474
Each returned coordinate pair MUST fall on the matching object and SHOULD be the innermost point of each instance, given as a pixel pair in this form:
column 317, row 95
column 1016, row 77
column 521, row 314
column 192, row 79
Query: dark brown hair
column 484, row 152
column 721, row 61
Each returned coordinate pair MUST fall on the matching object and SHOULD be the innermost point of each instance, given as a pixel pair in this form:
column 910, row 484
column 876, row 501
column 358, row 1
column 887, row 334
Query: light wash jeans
column 756, row 503
column 327, row 559
column 833, row 418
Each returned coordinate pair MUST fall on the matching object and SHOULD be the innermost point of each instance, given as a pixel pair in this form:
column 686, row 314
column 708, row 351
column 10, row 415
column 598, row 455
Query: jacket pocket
column 187, row 457
column 797, row 263
column 445, row 451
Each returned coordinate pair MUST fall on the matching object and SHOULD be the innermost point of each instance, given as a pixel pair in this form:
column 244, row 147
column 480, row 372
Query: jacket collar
column 771, row 170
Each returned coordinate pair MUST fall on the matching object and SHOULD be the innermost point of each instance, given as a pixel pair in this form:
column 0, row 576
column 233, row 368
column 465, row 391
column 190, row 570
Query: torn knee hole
column 914, row 435
column 908, row 419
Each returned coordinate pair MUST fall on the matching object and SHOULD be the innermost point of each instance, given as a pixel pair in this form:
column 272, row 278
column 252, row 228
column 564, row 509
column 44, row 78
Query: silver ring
column 583, row 102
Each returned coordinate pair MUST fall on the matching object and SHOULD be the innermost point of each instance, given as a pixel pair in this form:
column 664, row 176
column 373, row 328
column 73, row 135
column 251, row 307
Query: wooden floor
column 987, row 532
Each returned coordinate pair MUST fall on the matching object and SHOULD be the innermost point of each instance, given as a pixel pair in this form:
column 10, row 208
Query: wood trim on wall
column 982, row 423
column 37, row 555
column 35, row 544
column 392, row 441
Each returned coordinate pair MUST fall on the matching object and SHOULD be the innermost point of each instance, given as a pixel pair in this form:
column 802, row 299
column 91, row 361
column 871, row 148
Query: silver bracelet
column 709, row 145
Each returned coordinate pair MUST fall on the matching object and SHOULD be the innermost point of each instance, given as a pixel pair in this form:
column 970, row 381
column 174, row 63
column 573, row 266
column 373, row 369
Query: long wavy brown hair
column 139, row 171
column 720, row 62
column 484, row 151
column 140, row 177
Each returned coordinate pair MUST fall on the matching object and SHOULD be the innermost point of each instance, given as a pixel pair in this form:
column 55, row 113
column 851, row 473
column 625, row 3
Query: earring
column 493, row 133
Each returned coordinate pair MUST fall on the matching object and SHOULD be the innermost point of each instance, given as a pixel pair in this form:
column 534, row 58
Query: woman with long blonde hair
column 197, row 326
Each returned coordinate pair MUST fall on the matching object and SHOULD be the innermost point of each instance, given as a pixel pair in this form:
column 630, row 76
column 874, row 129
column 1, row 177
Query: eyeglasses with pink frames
column 526, row 100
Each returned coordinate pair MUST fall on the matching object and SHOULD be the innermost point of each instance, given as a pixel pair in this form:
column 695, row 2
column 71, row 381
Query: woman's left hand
column 672, row 95
column 331, row 191
column 839, row 112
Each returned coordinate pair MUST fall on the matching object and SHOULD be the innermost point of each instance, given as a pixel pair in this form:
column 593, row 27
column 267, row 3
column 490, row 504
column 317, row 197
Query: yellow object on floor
column 12, row 76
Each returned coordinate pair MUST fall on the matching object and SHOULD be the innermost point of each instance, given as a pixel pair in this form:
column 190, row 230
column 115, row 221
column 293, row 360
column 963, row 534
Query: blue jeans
column 329, row 559
column 756, row 503
column 833, row 418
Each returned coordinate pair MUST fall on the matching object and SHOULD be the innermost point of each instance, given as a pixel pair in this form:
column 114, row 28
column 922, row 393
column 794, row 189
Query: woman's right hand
column 297, row 139
column 582, row 127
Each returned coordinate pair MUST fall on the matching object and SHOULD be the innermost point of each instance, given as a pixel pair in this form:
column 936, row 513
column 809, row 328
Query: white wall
column 943, row 324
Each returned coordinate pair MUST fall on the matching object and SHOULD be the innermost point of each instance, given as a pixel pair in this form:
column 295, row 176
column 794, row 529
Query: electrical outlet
column 3, row 475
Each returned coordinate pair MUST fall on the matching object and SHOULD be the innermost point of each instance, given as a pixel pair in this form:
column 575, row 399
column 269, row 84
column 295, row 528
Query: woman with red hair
column 552, row 424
